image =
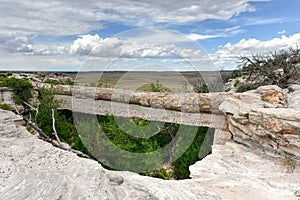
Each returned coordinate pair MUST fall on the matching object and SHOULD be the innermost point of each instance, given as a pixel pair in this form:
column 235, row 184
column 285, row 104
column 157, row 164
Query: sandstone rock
column 238, row 172
column 249, row 120
column 115, row 178
column 294, row 97
column 272, row 93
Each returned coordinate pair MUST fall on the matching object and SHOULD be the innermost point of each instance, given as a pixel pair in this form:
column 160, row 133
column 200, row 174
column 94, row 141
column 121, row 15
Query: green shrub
column 156, row 87
column 191, row 155
column 200, row 87
column 47, row 102
column 265, row 99
column 243, row 87
column 118, row 135
column 65, row 128
column 59, row 82
column 22, row 88
column 236, row 73
column 4, row 106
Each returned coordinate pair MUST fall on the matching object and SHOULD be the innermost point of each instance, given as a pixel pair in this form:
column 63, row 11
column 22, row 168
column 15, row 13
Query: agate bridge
column 181, row 108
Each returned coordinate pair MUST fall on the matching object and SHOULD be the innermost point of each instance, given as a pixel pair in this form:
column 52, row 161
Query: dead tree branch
column 54, row 129
column 46, row 138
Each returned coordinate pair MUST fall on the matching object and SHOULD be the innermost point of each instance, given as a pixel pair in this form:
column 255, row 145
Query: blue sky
column 74, row 35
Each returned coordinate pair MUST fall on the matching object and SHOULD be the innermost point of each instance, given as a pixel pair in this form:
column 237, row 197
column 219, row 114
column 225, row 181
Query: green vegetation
column 236, row 73
column 191, row 155
column 118, row 135
column 243, row 87
column 154, row 87
column 98, row 84
column 59, row 82
column 265, row 99
column 22, row 88
column 236, row 83
column 4, row 106
column 200, row 87
column 65, row 128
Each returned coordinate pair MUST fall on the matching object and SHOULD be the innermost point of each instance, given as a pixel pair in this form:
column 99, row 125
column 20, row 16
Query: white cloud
column 215, row 33
column 58, row 17
column 230, row 52
column 15, row 43
column 18, row 44
column 261, row 21
column 96, row 46
column 195, row 36
column 93, row 45
column 281, row 32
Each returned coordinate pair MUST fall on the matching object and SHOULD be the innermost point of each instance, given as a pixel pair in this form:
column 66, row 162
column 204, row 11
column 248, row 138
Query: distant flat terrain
column 132, row 80
column 175, row 81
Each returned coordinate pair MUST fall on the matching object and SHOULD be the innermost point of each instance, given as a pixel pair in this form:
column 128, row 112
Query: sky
column 141, row 34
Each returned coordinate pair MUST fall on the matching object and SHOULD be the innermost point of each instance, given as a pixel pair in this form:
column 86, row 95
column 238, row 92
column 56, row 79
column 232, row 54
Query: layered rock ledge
column 33, row 169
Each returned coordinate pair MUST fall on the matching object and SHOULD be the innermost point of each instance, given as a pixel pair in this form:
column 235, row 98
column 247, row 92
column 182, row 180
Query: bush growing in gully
column 116, row 135
column 65, row 128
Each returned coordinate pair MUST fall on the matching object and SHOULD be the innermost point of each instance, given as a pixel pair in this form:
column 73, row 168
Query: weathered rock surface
column 237, row 172
column 183, row 102
column 275, row 128
column 33, row 169
column 240, row 173
column 101, row 107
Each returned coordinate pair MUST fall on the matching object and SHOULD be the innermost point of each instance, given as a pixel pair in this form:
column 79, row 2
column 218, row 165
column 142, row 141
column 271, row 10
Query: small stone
column 115, row 178
column 270, row 105
column 297, row 193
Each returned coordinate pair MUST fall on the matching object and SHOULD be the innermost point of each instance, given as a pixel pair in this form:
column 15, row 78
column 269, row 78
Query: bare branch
column 54, row 129
column 159, row 129
column 45, row 137
column 30, row 106
column 277, row 68
column 37, row 112
column 33, row 108
column 33, row 125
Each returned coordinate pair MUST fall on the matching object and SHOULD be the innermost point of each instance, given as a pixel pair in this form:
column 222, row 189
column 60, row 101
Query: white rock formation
column 265, row 117
column 236, row 172
column 33, row 169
